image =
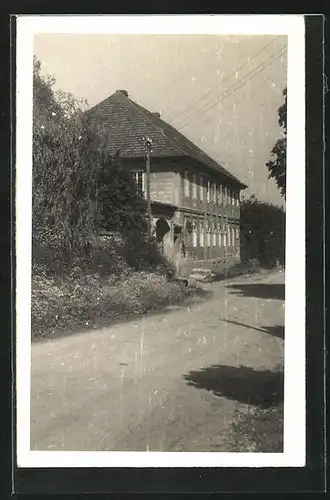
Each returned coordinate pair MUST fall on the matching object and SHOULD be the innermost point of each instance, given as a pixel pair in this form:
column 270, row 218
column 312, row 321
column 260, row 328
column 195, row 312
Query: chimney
column 124, row 92
column 157, row 113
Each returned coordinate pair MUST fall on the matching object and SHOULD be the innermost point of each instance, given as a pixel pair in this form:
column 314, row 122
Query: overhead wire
column 238, row 85
column 242, row 101
column 233, row 73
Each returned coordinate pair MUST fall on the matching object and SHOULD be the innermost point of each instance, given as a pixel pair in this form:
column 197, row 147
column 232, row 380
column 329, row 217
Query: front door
column 163, row 234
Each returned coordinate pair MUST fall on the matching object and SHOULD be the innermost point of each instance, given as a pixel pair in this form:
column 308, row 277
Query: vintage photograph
column 158, row 240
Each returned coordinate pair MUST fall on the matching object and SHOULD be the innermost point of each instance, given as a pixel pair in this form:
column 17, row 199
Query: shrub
column 82, row 300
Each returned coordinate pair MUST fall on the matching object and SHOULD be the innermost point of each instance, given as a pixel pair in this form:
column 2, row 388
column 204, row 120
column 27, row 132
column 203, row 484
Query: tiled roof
column 128, row 124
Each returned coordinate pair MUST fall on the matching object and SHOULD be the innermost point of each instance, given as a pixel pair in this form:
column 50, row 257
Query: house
column 195, row 202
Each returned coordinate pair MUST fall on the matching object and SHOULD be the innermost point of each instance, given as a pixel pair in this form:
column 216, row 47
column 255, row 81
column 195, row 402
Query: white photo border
column 294, row 350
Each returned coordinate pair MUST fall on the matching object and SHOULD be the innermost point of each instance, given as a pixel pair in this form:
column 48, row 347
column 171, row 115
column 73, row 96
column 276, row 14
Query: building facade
column 195, row 201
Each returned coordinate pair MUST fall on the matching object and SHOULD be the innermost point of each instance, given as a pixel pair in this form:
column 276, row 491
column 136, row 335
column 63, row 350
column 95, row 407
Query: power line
column 242, row 81
column 242, row 101
column 235, row 87
column 224, row 80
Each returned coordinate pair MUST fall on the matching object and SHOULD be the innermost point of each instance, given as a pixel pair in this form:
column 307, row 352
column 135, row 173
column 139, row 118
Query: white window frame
column 186, row 184
column 220, row 195
column 225, row 234
column 194, row 187
column 194, row 234
column 214, row 193
column 208, row 233
column 225, row 194
column 201, row 233
column 143, row 180
column 214, row 228
column 201, row 188
column 237, row 235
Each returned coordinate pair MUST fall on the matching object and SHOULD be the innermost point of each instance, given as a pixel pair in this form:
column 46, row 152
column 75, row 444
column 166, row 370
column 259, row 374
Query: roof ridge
column 143, row 112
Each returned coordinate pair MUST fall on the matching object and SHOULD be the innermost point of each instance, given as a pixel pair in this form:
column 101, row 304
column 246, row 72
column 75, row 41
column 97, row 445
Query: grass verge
column 260, row 429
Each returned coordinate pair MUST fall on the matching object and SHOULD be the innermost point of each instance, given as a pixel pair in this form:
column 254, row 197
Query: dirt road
column 170, row 381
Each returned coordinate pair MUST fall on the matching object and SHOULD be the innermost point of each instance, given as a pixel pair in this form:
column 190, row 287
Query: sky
column 222, row 92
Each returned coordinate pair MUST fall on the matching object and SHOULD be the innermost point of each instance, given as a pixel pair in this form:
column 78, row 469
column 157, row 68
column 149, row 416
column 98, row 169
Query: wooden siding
column 162, row 187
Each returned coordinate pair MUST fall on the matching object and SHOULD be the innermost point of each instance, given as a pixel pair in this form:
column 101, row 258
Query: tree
column 262, row 232
column 277, row 167
column 77, row 187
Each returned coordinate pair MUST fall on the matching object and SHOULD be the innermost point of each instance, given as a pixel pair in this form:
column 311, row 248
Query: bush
column 85, row 300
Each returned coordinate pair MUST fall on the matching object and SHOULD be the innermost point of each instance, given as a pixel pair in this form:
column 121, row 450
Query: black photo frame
column 197, row 481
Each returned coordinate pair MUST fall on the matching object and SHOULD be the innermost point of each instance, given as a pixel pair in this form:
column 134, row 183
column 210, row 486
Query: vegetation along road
column 171, row 381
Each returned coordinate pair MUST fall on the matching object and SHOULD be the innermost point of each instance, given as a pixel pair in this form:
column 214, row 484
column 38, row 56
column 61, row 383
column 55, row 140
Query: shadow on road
column 274, row 291
column 262, row 388
column 275, row 331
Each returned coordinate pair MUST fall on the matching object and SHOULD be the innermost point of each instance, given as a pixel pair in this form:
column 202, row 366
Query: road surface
column 171, row 381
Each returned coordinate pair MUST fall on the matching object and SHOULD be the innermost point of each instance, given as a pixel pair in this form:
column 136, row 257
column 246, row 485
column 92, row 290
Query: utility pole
column 148, row 144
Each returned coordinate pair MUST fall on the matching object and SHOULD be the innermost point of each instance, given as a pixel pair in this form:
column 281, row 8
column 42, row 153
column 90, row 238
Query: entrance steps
column 202, row 274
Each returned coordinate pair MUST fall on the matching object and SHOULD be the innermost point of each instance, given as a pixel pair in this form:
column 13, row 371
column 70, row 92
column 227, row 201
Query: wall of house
column 211, row 237
column 207, row 194
column 162, row 187
column 209, row 208
column 164, row 181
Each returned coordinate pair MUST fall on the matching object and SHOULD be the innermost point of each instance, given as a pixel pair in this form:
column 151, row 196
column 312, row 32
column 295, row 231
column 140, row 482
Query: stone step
column 205, row 275
column 202, row 270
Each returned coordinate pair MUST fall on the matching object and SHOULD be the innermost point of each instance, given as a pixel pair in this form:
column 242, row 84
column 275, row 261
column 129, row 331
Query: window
column 139, row 178
column 208, row 229
column 225, row 195
column 237, row 235
column 219, row 233
column 201, row 233
column 201, row 189
column 232, row 230
column 186, row 184
column 237, row 199
column 208, row 192
column 214, row 233
column 225, row 234
column 194, row 187
column 214, row 193
column 194, row 234
column 229, row 196
column 220, row 195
